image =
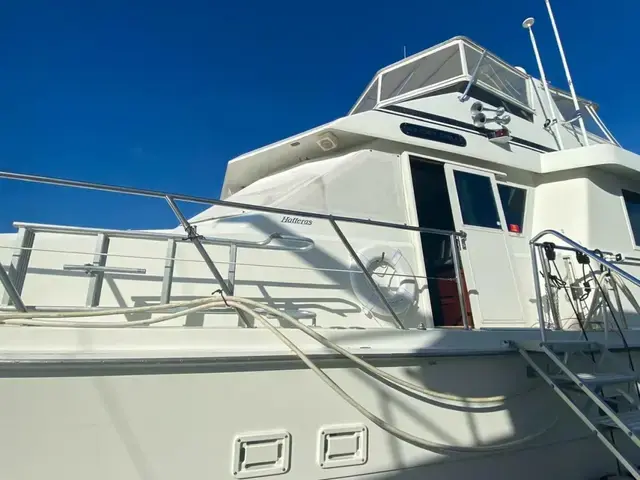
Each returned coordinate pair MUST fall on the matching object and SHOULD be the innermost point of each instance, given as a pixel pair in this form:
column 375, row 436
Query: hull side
column 105, row 423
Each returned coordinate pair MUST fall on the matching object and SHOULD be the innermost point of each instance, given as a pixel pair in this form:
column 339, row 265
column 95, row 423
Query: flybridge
column 449, row 63
column 462, row 65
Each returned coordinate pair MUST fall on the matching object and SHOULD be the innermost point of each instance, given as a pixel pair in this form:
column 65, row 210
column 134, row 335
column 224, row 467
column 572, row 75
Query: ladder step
column 597, row 379
column 630, row 419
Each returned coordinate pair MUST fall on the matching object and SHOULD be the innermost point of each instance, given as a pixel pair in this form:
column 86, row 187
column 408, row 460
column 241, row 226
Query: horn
column 505, row 119
column 479, row 119
column 476, row 107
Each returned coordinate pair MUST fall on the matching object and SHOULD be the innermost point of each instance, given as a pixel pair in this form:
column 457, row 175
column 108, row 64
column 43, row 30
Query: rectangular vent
column 261, row 454
column 343, row 446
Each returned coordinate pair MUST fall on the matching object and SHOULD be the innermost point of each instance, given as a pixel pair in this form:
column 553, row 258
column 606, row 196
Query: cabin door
column 486, row 257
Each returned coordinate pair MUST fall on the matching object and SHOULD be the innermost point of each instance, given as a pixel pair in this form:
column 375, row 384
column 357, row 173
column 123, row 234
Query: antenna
column 527, row 24
column 566, row 71
column 404, row 51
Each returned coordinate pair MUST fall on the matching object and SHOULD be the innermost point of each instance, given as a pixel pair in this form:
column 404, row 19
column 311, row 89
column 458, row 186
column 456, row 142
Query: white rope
column 403, row 435
column 192, row 306
column 244, row 305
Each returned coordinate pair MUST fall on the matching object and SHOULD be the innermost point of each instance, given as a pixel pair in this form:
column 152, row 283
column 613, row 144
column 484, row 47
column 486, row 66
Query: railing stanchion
column 195, row 239
column 536, row 285
column 13, row 294
column 366, row 274
column 455, row 254
column 546, row 273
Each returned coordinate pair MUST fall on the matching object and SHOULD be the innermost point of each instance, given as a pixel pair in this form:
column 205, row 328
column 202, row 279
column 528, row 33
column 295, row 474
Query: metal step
column 597, row 379
column 631, row 420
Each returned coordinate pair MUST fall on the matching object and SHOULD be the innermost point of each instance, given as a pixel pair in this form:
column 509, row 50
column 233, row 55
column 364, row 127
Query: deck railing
column 13, row 280
column 543, row 254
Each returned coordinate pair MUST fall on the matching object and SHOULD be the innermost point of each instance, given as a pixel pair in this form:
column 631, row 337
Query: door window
column 513, row 202
column 477, row 201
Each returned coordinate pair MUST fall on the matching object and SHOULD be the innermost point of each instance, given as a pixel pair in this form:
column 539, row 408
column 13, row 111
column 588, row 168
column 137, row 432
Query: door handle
column 461, row 240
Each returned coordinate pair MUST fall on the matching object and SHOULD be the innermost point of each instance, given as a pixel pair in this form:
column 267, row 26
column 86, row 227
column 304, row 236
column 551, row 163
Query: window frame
column 499, row 227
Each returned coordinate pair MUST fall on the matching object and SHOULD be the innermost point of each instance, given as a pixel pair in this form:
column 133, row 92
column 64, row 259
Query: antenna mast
column 528, row 23
column 566, row 71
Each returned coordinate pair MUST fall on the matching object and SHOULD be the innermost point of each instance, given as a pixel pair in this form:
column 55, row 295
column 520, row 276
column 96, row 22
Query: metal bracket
column 474, row 76
column 99, row 261
column 91, row 269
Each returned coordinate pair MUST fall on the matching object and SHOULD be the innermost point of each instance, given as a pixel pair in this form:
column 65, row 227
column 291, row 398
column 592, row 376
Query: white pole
column 566, row 71
column 528, row 23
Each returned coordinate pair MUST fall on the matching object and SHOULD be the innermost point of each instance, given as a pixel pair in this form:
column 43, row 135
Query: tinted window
column 513, row 200
column 433, row 134
column 632, row 202
column 477, row 202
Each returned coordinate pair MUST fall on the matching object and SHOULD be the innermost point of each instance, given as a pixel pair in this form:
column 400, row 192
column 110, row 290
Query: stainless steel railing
column 536, row 248
column 12, row 281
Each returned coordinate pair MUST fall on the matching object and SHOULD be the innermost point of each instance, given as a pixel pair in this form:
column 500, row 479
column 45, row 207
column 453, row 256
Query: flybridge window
column 513, row 201
column 369, row 100
column 566, row 108
column 497, row 76
column 438, row 68
column 632, row 204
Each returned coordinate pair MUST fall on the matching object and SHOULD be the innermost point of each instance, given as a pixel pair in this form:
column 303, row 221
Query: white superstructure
column 235, row 350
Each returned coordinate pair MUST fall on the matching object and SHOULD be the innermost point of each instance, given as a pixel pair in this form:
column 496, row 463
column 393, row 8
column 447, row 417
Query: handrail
column 198, row 240
column 533, row 244
column 211, row 201
column 590, row 253
column 150, row 235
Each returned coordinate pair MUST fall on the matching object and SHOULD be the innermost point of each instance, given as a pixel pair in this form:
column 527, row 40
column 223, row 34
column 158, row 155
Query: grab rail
column 211, row 201
column 575, row 246
column 150, row 235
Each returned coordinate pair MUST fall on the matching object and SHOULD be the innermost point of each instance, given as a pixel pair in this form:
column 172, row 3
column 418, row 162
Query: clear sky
column 161, row 94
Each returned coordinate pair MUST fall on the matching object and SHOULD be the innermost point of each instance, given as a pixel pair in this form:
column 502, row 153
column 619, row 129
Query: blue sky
column 161, row 94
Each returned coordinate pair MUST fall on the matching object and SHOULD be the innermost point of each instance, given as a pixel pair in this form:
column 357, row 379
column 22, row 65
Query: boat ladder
column 587, row 370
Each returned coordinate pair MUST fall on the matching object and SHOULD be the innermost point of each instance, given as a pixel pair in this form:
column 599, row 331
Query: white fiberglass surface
column 274, row 189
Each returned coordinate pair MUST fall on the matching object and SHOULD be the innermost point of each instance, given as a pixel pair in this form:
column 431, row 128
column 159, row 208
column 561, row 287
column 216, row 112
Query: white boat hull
column 145, row 418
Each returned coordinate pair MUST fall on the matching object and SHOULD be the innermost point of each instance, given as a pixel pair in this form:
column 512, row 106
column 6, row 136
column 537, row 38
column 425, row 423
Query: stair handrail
column 590, row 253
column 575, row 246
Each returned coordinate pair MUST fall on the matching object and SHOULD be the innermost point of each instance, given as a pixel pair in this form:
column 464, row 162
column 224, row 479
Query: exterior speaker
column 327, row 141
